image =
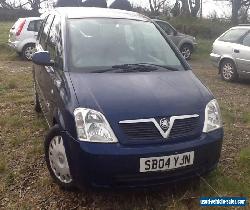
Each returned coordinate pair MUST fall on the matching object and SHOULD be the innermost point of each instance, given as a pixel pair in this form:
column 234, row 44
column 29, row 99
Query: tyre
column 186, row 51
column 56, row 159
column 37, row 105
column 228, row 71
column 28, row 51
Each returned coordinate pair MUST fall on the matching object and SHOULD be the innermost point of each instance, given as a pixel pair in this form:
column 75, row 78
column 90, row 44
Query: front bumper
column 195, row 46
column 14, row 45
column 115, row 165
column 215, row 58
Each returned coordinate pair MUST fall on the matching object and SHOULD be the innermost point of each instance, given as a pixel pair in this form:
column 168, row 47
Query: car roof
column 31, row 18
column 159, row 20
column 91, row 12
column 241, row 26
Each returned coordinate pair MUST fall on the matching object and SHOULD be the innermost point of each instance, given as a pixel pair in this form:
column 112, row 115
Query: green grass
column 203, row 50
column 225, row 185
column 2, row 165
column 245, row 159
column 227, row 115
column 246, row 118
column 5, row 51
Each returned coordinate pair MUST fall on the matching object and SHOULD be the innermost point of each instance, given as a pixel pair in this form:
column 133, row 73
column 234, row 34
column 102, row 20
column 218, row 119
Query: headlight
column 213, row 119
column 92, row 126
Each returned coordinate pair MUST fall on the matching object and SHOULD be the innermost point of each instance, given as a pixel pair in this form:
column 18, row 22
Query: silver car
column 231, row 53
column 22, row 37
column 185, row 43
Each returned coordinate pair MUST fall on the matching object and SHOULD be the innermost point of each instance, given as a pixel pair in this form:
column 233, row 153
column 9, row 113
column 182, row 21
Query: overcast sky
column 209, row 7
column 221, row 7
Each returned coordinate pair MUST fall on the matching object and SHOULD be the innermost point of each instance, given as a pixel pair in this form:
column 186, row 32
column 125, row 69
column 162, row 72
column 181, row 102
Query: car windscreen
column 100, row 43
column 234, row 35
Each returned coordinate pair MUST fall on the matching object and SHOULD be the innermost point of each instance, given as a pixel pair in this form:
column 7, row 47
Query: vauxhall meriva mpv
column 123, row 106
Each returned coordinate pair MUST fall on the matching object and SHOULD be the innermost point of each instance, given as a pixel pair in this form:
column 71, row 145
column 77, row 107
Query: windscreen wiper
column 136, row 67
column 169, row 68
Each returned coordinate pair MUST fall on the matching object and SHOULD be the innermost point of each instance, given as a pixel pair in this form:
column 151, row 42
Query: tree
column 236, row 6
column 77, row 3
column 35, row 5
column 121, row 4
column 189, row 7
column 185, row 11
column 176, row 10
column 95, row 3
column 243, row 14
column 156, row 6
column 66, row 3
column 194, row 7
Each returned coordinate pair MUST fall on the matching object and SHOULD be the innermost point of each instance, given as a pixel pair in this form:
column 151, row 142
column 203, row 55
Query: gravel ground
column 24, row 179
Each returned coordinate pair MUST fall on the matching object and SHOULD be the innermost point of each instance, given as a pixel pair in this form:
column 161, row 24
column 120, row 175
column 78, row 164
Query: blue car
column 123, row 106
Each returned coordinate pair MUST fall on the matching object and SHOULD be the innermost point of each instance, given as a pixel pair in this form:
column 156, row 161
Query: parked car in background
column 123, row 106
column 23, row 34
column 185, row 43
column 231, row 53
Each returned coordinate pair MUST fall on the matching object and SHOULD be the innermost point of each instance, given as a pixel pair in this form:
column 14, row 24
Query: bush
column 14, row 14
column 201, row 28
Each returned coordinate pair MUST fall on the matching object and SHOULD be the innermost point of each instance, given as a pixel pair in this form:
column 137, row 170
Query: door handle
column 236, row 51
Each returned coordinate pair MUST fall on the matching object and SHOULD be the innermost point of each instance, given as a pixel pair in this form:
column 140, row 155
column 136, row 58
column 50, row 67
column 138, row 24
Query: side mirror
column 175, row 33
column 42, row 58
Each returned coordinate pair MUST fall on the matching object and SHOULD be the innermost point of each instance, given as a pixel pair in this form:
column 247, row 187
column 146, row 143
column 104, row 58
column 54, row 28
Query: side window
column 45, row 31
column 233, row 35
column 31, row 26
column 54, row 43
column 34, row 25
column 167, row 28
column 246, row 40
column 37, row 25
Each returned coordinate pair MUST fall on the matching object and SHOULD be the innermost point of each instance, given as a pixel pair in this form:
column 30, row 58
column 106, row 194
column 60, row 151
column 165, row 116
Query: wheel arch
column 26, row 44
column 224, row 59
column 189, row 43
column 57, row 119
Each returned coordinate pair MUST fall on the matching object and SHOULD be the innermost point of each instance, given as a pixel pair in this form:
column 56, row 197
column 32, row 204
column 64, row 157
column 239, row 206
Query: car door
column 33, row 28
column 170, row 31
column 40, row 71
column 242, row 54
column 54, row 74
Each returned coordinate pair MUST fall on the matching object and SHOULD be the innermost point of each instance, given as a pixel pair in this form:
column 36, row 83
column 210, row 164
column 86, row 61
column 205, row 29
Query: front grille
column 147, row 130
column 184, row 127
column 142, row 130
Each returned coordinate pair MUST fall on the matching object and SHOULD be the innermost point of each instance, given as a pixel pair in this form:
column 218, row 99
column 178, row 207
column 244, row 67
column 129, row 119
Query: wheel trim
column 186, row 52
column 227, row 71
column 58, row 160
column 29, row 51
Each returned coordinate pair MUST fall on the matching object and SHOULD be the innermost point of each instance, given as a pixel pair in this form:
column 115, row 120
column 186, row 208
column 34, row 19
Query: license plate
column 166, row 162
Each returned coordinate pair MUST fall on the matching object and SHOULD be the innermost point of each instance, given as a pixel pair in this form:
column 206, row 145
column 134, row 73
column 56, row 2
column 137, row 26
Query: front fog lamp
column 213, row 119
column 92, row 126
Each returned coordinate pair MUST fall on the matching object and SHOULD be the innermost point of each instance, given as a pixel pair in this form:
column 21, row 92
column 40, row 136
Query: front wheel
column 56, row 158
column 186, row 51
column 28, row 51
column 228, row 71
